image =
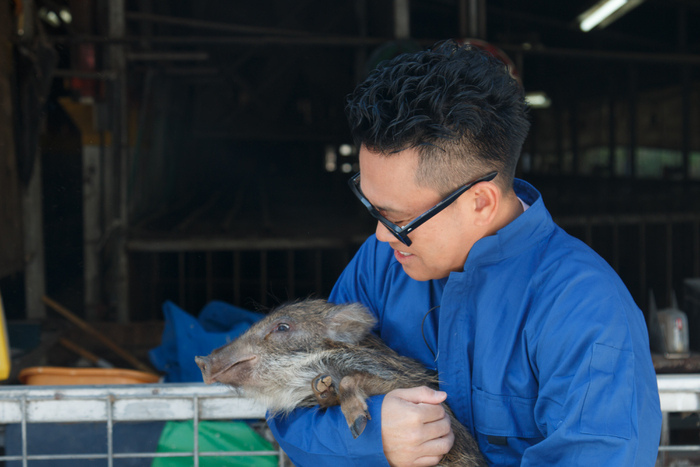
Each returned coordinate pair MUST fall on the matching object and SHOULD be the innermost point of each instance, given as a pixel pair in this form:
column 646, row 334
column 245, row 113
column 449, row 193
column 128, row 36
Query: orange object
column 61, row 376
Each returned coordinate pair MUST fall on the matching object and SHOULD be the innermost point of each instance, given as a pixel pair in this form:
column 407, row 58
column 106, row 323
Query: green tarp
column 213, row 436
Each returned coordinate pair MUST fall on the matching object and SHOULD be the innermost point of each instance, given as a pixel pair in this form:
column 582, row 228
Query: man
column 542, row 353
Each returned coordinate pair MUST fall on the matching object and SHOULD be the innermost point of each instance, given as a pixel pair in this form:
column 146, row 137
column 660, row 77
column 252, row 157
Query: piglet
column 311, row 352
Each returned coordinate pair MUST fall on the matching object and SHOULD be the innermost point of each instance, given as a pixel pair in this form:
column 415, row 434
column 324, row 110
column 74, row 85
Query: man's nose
column 383, row 234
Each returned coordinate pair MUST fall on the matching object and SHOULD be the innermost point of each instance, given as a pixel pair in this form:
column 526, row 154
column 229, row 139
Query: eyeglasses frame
column 401, row 233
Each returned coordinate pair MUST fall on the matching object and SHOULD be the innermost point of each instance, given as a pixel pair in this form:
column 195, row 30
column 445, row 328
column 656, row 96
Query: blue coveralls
column 541, row 349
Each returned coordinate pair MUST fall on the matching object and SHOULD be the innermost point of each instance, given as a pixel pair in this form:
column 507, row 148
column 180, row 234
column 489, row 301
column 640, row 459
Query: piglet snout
column 204, row 365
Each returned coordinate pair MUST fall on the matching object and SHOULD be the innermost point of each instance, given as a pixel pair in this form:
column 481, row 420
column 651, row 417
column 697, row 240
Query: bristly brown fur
column 312, row 352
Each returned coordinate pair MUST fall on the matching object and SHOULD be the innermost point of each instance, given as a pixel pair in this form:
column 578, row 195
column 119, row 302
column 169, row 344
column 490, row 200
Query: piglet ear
column 349, row 323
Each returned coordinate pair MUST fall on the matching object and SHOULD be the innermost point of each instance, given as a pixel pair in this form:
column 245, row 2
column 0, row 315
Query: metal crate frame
column 126, row 403
column 197, row 401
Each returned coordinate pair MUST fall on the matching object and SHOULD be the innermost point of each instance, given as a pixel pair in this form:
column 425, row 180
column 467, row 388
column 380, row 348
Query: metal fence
column 679, row 394
column 649, row 252
column 25, row 405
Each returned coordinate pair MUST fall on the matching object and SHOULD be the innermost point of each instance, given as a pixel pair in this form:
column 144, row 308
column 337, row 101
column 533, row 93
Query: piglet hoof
column 322, row 386
column 358, row 426
column 325, row 391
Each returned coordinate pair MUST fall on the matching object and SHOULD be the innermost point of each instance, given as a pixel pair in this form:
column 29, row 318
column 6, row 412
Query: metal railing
column 126, row 403
column 677, row 393
column 195, row 401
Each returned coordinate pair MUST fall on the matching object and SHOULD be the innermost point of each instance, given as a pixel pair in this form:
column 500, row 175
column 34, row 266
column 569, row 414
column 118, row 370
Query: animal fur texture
column 311, row 352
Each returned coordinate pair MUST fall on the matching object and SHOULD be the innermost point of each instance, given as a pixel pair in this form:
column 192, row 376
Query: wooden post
column 11, row 256
column 34, row 271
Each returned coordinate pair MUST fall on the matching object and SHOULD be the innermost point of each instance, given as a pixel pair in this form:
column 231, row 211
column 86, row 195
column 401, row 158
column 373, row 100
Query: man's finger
column 421, row 394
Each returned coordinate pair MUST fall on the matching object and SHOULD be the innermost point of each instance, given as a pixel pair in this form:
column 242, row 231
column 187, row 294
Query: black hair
column 457, row 105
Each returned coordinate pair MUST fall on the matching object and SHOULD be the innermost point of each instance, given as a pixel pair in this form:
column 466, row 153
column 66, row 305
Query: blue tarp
column 185, row 337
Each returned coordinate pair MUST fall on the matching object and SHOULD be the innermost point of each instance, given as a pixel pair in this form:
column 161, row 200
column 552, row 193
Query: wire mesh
column 26, row 405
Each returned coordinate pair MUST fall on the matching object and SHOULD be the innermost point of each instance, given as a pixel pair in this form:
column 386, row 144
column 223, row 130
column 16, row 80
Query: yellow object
column 4, row 346
column 61, row 376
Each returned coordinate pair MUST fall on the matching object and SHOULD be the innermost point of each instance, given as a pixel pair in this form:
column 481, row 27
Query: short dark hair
column 457, row 104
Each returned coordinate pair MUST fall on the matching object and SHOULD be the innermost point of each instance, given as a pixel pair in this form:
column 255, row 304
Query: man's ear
column 348, row 323
column 487, row 199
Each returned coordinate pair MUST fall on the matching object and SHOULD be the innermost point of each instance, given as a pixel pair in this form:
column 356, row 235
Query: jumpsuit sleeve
column 313, row 437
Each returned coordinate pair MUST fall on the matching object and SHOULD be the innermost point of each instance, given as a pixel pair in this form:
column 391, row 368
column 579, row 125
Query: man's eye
column 282, row 327
column 399, row 222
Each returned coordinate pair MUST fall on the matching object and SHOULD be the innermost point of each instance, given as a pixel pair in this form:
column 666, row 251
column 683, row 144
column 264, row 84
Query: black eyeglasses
column 401, row 233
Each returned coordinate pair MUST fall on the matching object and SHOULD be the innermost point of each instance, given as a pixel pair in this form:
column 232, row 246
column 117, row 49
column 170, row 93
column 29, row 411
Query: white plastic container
column 674, row 327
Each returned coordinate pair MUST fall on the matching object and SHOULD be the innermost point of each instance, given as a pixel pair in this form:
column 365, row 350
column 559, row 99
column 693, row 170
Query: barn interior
column 193, row 151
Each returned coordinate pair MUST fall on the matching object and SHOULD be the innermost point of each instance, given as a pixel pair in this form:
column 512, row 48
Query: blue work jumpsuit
column 541, row 349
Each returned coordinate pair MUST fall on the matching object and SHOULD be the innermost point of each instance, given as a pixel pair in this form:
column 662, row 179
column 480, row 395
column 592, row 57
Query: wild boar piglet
column 311, row 352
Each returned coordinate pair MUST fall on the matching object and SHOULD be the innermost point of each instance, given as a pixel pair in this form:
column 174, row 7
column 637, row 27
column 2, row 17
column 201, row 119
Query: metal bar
column 211, row 25
column 102, row 75
column 181, row 276
column 237, row 453
column 121, row 160
column 559, row 134
column 166, row 56
column 686, row 113
column 209, row 275
column 263, row 277
column 195, row 430
column 578, row 55
column 24, row 430
column 669, row 262
column 39, row 404
column 128, row 455
column 159, row 401
column 632, row 121
column 696, row 248
column 643, row 265
column 616, row 246
column 573, row 128
column 241, row 244
column 665, row 431
column 290, row 274
column 353, row 41
column 34, row 251
column 319, row 271
column 137, row 455
column 153, row 289
column 402, row 19
column 361, row 52
column 324, row 41
column 678, row 393
column 110, row 433
column 92, row 229
column 237, row 277
column 589, row 235
column 679, row 448
column 611, row 127
column 627, row 219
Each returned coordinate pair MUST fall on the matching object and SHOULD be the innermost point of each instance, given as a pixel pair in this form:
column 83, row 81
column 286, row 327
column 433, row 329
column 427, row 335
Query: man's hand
column 416, row 430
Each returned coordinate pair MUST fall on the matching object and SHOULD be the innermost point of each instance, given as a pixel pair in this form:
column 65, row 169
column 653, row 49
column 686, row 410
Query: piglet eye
column 282, row 327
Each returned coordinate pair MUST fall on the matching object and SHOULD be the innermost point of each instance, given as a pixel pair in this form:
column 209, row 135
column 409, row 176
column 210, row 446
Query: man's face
column 439, row 246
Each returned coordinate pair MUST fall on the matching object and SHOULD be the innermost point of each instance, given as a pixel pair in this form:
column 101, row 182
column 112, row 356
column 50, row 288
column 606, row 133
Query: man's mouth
column 403, row 253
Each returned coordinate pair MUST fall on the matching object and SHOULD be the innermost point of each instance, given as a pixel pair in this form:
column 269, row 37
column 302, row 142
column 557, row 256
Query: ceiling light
column 65, row 15
column 345, row 150
column 49, row 16
column 605, row 12
column 538, row 100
